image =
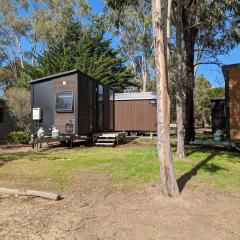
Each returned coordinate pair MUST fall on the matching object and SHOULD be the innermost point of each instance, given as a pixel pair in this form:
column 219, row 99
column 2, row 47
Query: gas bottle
column 55, row 132
column 40, row 132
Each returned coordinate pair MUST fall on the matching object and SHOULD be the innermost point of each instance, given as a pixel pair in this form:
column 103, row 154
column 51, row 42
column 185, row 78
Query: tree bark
column 180, row 94
column 190, row 34
column 144, row 73
column 160, row 27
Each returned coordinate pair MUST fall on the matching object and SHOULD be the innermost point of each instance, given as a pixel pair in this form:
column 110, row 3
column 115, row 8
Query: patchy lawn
column 114, row 194
column 128, row 165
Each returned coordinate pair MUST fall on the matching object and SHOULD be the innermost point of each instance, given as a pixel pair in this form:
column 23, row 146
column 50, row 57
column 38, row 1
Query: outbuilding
column 135, row 112
column 72, row 102
column 232, row 98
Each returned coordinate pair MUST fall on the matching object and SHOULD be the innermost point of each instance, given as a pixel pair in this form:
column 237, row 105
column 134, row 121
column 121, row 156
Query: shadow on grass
column 5, row 158
column 182, row 181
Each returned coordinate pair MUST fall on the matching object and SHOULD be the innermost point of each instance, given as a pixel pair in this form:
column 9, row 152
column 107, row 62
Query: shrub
column 18, row 102
column 18, row 137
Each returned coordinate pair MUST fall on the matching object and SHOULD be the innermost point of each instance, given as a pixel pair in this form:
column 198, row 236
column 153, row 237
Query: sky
column 211, row 72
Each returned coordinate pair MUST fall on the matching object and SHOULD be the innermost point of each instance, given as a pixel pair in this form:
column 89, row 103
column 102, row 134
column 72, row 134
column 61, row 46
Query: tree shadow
column 5, row 158
column 182, row 181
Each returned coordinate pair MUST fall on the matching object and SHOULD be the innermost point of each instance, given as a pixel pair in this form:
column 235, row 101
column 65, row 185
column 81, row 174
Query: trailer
column 72, row 102
column 135, row 112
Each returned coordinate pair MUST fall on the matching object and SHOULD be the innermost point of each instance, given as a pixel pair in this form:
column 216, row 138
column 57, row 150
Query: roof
column 135, row 96
column 54, row 76
column 218, row 99
column 231, row 65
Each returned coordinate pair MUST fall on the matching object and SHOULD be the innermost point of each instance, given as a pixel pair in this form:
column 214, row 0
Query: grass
column 136, row 165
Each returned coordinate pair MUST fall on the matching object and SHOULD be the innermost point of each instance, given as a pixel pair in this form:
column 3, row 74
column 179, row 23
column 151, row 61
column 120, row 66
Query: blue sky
column 211, row 72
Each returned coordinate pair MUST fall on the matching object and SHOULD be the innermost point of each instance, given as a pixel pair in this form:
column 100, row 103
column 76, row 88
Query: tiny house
column 232, row 96
column 72, row 102
column 135, row 112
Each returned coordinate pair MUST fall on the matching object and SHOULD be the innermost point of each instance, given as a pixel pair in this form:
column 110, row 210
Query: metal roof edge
column 54, row 76
column 231, row 65
column 135, row 96
column 217, row 99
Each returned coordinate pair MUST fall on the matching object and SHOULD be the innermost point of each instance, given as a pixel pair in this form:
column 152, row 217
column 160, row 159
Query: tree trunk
column 189, row 122
column 189, row 36
column 144, row 73
column 180, row 95
column 160, row 23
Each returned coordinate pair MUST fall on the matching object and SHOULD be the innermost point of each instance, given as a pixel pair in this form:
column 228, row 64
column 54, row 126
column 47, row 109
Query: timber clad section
column 66, row 83
column 234, row 102
column 135, row 115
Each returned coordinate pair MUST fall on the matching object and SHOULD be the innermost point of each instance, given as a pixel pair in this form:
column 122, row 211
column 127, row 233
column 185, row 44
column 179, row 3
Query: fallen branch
column 26, row 192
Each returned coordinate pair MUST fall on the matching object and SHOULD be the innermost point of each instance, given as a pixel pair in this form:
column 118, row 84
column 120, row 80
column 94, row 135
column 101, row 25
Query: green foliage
column 87, row 50
column 217, row 92
column 135, row 23
column 18, row 102
column 202, row 95
column 18, row 137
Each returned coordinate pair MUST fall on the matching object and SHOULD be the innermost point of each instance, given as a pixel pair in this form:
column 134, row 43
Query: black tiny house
column 73, row 102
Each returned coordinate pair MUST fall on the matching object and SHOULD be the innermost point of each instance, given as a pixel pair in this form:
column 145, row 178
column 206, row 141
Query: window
column 64, row 102
column 1, row 115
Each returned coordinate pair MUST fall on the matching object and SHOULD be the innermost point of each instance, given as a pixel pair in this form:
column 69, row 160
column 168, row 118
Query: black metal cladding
column 70, row 101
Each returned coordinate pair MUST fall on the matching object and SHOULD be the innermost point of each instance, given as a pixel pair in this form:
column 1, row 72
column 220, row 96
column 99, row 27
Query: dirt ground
column 94, row 210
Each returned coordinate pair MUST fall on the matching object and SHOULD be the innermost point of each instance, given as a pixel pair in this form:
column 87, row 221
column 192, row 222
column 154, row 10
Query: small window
column 1, row 115
column 64, row 102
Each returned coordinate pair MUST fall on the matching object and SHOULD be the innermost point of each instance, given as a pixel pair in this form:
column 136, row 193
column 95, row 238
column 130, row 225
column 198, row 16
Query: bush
column 18, row 102
column 18, row 137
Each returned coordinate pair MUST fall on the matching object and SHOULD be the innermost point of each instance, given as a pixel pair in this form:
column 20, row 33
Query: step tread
column 105, row 140
column 104, row 144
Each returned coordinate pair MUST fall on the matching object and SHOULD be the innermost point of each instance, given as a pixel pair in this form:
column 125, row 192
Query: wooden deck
column 109, row 139
column 213, row 143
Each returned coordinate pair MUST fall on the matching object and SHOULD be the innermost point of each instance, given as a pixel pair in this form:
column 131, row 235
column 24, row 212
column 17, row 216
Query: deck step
column 104, row 144
column 106, row 140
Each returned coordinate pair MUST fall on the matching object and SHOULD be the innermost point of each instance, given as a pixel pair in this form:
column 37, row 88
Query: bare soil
column 15, row 148
column 93, row 209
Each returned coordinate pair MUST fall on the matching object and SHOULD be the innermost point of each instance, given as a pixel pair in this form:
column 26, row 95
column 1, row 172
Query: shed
column 73, row 102
column 135, row 112
column 232, row 95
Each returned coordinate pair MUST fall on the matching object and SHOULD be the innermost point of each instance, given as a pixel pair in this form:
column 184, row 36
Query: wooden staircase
column 109, row 139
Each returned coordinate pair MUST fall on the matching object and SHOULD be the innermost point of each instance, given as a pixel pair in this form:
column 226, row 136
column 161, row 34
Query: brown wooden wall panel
column 61, row 84
column 135, row 115
column 234, row 102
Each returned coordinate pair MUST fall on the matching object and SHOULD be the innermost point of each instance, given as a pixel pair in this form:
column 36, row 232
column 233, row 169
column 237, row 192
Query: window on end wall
column 1, row 115
column 64, row 102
